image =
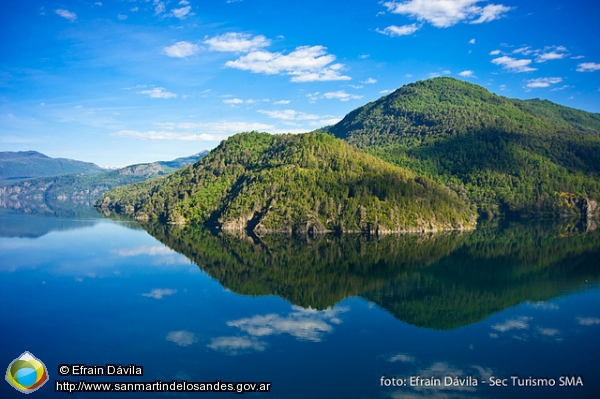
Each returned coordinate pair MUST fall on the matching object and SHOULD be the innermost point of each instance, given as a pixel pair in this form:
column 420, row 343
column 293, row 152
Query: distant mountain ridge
column 510, row 157
column 22, row 165
column 79, row 186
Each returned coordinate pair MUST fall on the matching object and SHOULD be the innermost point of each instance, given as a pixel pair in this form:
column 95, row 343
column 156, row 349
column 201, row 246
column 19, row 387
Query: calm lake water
column 334, row 317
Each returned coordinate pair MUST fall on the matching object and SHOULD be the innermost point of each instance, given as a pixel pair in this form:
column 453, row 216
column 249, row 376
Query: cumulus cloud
column 551, row 53
column 472, row 41
column 281, row 102
column 341, row 95
column 520, row 323
column 159, row 7
column 446, row 13
column 494, row 52
column 304, row 324
column 548, row 332
column 237, row 42
column 182, row 338
column 208, row 131
column 158, row 92
column 182, row 12
column 588, row 321
column 401, row 357
column 467, row 74
column 233, row 101
column 404, row 30
column 588, row 67
column 542, row 82
column 71, row 16
column 148, row 250
column 181, row 49
column 289, row 115
column 304, row 64
column 513, row 65
column 159, row 293
column 369, row 81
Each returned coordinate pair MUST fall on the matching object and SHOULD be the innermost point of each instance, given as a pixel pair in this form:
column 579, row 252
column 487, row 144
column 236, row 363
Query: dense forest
column 510, row 157
column 294, row 183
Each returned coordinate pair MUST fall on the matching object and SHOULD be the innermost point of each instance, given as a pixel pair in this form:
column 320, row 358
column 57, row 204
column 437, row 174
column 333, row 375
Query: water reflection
column 438, row 281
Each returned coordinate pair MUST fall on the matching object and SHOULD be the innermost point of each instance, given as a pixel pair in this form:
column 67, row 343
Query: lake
column 481, row 314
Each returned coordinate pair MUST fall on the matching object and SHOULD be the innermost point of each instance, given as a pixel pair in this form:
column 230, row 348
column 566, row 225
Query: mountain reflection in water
column 438, row 281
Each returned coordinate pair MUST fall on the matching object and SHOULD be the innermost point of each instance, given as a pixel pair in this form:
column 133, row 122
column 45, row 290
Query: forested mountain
column 78, row 186
column 511, row 157
column 16, row 166
column 308, row 182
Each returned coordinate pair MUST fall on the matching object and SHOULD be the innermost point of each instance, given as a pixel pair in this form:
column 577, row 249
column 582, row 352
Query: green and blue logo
column 26, row 373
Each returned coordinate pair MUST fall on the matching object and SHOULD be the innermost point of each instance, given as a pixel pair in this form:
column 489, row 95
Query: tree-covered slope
column 29, row 164
column 509, row 156
column 308, row 182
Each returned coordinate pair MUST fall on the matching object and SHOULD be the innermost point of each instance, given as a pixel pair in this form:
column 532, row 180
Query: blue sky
column 117, row 82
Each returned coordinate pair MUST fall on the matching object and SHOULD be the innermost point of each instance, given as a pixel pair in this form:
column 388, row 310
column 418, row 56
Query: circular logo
column 26, row 373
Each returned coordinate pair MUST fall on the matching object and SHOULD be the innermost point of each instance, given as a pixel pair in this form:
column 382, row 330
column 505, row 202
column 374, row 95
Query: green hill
column 16, row 166
column 302, row 183
column 511, row 157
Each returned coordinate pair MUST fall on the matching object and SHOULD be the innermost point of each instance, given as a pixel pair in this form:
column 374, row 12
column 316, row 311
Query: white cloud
column 181, row 49
column 588, row 67
column 467, row 74
column 446, row 13
column 552, row 53
column 158, row 293
column 71, row 16
column 404, row 30
column 121, row 17
column 304, row 324
column 588, row 321
column 472, row 41
column 548, row 332
column 289, row 115
column 233, row 101
column 208, row 131
column 401, row 357
column 281, row 102
column 158, row 92
column 237, row 42
column 513, row 65
column 520, row 323
column 494, row 52
column 304, row 64
column 369, row 81
column 160, row 7
column 182, row 338
column 134, row 9
column 146, row 250
column 182, row 12
column 341, row 95
column 542, row 82
column 235, row 345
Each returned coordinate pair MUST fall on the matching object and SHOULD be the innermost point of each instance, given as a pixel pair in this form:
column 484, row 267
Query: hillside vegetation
column 301, row 183
column 511, row 157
